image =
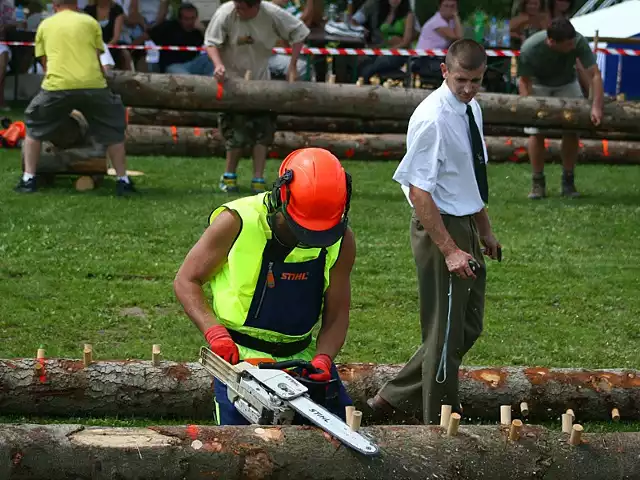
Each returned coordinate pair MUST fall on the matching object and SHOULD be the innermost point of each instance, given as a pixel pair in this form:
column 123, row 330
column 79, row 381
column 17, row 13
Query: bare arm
column 117, row 29
column 597, row 88
column 295, row 53
column 517, row 23
column 407, row 37
column 337, row 301
column 525, row 86
column 430, row 218
column 214, row 55
column 200, row 264
column 483, row 223
column 134, row 18
column 449, row 33
column 162, row 12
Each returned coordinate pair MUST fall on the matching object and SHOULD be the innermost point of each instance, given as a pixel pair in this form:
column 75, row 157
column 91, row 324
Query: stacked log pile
column 355, row 122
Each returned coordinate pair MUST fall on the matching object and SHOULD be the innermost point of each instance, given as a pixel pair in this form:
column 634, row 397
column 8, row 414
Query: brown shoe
column 568, row 186
column 538, row 187
column 380, row 408
column 382, row 411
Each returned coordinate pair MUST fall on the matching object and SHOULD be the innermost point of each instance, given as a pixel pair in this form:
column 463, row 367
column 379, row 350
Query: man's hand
column 219, row 72
column 458, row 263
column 323, row 364
column 596, row 115
column 222, row 344
column 492, row 247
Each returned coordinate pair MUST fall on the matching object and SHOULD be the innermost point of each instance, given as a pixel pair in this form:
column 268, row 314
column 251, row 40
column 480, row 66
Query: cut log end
column 505, row 414
column 515, row 429
column 445, row 415
column 87, row 354
column 567, row 422
column 615, row 415
column 576, row 435
column 454, row 423
column 84, row 183
column 156, row 355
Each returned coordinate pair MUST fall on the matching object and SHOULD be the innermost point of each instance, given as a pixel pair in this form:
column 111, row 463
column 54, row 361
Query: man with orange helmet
column 277, row 262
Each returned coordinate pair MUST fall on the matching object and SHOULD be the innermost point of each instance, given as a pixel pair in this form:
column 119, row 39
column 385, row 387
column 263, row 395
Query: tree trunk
column 184, row 390
column 177, row 118
column 194, row 92
column 185, row 118
column 62, row 452
column 201, row 142
column 205, row 142
column 510, row 131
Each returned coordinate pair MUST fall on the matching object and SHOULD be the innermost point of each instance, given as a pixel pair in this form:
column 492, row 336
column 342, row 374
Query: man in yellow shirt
column 70, row 44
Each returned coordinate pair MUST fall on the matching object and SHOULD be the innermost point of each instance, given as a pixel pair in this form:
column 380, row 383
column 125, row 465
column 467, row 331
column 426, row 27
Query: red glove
column 323, row 363
column 222, row 344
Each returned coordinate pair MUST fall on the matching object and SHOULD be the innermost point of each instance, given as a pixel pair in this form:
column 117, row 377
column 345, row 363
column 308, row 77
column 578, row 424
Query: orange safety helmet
column 313, row 193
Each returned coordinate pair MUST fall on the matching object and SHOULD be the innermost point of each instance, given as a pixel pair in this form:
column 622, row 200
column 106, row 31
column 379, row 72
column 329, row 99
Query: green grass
column 73, row 265
column 88, row 267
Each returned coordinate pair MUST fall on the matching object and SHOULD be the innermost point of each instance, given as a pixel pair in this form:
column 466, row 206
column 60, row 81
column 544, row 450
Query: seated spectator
column 143, row 15
column 531, row 17
column 393, row 26
column 186, row 31
column 560, row 8
column 111, row 18
column 279, row 62
column 440, row 31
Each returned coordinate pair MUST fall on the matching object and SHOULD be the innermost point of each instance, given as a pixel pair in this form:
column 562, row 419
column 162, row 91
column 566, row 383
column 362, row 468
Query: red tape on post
column 220, row 91
column 605, row 148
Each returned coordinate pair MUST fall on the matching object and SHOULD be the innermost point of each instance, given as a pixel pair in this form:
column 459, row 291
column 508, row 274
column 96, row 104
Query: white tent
column 621, row 21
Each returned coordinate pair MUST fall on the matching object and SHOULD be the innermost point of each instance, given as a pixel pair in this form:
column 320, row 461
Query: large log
column 177, row 118
column 63, row 452
column 198, row 142
column 195, row 92
column 64, row 387
column 206, row 142
column 294, row 123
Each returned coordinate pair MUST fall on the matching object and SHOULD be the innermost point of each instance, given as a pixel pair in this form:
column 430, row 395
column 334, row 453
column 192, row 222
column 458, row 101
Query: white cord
column 443, row 357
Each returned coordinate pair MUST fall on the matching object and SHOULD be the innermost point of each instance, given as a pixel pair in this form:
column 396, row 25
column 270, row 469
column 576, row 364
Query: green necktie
column 479, row 165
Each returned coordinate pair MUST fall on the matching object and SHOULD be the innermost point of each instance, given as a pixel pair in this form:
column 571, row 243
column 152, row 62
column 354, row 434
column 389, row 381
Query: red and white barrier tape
column 398, row 52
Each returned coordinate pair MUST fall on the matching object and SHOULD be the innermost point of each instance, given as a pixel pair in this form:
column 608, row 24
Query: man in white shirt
column 443, row 175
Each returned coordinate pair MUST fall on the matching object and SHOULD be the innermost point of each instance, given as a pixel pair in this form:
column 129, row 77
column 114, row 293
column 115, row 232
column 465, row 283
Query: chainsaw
column 265, row 394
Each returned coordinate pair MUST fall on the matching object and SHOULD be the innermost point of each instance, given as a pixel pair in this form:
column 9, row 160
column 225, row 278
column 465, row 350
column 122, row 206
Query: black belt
column 276, row 349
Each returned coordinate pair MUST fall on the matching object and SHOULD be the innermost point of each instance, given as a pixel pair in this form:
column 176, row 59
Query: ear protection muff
column 275, row 202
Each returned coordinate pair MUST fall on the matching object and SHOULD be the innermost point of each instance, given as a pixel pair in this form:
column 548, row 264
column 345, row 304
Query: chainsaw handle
column 288, row 364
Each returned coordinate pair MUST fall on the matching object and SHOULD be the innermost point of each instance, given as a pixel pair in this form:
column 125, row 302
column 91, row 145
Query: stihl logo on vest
column 295, row 276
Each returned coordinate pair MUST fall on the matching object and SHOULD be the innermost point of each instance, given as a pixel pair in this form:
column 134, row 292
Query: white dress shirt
column 438, row 158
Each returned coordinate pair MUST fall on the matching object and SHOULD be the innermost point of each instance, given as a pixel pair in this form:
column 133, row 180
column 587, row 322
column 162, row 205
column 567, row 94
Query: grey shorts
column 570, row 90
column 102, row 108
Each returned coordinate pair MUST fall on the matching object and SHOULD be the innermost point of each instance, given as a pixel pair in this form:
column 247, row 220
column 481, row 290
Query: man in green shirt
column 547, row 68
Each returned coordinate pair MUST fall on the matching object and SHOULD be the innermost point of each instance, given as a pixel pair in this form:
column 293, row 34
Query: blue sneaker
column 258, row 185
column 229, row 183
